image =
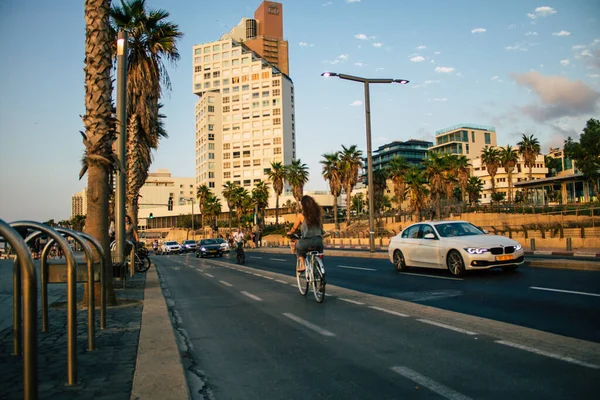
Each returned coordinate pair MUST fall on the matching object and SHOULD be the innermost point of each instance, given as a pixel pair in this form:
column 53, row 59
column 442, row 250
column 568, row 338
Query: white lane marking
column 293, row 284
column 429, row 383
column 284, row 282
column 253, row 297
column 209, row 275
column 256, row 274
column 277, row 259
column 256, row 257
column 268, row 277
column 385, row 310
column 432, row 276
column 309, row 325
column 351, row 301
column 547, row 354
column 226, row 283
column 452, row 328
column 360, row 268
column 565, row 291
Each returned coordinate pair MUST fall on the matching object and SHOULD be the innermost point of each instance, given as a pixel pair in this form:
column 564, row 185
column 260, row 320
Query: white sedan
column 455, row 245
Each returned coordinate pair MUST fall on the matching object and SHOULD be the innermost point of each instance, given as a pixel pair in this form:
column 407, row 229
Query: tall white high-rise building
column 244, row 115
column 79, row 203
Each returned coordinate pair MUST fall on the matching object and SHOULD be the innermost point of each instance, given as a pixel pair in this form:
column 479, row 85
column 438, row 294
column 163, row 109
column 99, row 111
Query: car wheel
column 399, row 261
column 455, row 263
column 510, row 268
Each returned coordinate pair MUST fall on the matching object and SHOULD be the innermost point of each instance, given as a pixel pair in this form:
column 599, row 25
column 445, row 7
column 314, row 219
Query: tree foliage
column 586, row 153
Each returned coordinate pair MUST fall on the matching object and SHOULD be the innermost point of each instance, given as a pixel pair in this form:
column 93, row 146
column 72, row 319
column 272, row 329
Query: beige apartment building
column 464, row 139
column 244, row 115
column 79, row 203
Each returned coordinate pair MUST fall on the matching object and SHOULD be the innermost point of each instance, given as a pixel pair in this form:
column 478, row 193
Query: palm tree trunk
column 202, row 218
column 335, row 211
column 348, row 204
column 510, row 186
column 439, row 205
column 277, row 209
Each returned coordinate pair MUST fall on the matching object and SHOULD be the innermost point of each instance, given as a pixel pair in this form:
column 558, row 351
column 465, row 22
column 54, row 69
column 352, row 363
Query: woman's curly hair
column 311, row 211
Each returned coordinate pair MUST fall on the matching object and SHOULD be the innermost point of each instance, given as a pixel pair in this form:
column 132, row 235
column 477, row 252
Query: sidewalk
column 136, row 356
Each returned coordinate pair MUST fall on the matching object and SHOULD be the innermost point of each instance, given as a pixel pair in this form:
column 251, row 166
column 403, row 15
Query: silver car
column 170, row 247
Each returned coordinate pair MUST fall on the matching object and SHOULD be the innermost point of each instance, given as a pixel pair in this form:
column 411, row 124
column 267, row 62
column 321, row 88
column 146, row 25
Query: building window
column 276, row 82
column 211, row 136
column 226, row 175
column 226, row 99
column 211, row 175
column 277, row 150
column 211, row 156
column 246, row 163
column 276, row 92
column 226, row 109
column 211, row 146
column 265, row 75
column 246, row 182
column 265, row 93
column 277, row 111
column 211, row 108
column 211, row 184
column 255, row 77
column 226, row 156
column 277, row 140
column 256, row 163
column 276, row 121
column 488, row 139
column 226, row 165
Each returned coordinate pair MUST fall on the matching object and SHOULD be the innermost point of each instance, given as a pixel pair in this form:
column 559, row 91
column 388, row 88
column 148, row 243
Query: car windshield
column 221, row 241
column 453, row 229
column 171, row 243
column 209, row 241
column 189, row 242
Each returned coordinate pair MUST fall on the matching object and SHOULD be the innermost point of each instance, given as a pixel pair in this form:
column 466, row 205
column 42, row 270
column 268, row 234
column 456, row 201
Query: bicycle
column 240, row 255
column 140, row 256
column 314, row 272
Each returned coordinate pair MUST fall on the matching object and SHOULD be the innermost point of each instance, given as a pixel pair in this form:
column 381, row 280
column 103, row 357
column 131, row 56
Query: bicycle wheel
column 301, row 279
column 318, row 279
column 142, row 264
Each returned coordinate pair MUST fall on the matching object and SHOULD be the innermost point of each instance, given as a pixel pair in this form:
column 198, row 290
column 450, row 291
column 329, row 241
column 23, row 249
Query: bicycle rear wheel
column 143, row 264
column 318, row 279
column 301, row 279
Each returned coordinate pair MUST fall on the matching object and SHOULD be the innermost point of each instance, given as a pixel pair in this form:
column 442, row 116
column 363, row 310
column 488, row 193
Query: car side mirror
column 486, row 231
column 429, row 236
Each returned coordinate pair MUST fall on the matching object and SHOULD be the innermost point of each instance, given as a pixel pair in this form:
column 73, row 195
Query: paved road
column 247, row 333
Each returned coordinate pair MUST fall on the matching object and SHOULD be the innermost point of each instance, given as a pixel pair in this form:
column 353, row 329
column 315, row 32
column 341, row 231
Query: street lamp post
column 366, row 82
column 121, row 144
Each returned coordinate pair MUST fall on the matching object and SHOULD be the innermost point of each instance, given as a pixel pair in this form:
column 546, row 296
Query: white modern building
column 79, row 203
column 464, row 139
column 244, row 115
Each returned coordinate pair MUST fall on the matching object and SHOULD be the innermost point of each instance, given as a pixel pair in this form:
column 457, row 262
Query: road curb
column 158, row 372
column 562, row 263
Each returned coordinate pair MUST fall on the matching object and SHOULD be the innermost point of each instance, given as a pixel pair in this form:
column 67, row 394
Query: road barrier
column 24, row 268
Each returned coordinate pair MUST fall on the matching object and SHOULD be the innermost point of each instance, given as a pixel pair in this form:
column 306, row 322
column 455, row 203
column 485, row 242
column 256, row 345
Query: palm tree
column 380, row 177
column 77, row 222
column 229, row 189
column 509, row 158
column 202, row 194
column 212, row 206
column 474, row 189
column 99, row 126
column 152, row 39
column 277, row 177
column 242, row 202
column 297, row 175
column 417, row 192
column 529, row 148
column 397, row 169
column 450, row 175
column 350, row 163
column 332, row 174
column 490, row 157
column 463, row 168
column 435, row 167
column 260, row 198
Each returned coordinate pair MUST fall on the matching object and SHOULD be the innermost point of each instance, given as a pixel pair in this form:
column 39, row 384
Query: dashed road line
column 385, row 310
column 226, row 283
column 452, row 328
column 309, row 325
column 277, row 259
column 260, row 258
column 284, row 282
column 351, row 301
column 547, row 354
column 359, row 268
column 250, row 295
column 429, row 383
column 564, row 291
column 432, row 276
column 209, row 275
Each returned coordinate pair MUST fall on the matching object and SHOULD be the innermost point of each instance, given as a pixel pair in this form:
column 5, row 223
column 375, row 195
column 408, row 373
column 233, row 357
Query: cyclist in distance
column 238, row 238
column 311, row 228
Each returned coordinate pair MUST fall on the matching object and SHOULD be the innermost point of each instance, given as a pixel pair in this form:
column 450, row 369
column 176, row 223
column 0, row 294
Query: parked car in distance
column 458, row 246
column 188, row 246
column 224, row 245
column 209, row 247
column 170, row 247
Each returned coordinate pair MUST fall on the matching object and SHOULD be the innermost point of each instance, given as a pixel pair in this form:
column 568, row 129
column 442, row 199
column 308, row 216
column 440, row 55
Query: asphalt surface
column 247, row 333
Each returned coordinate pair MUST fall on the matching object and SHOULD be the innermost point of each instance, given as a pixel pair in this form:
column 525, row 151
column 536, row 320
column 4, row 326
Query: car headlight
column 203, row 248
column 476, row 250
column 518, row 247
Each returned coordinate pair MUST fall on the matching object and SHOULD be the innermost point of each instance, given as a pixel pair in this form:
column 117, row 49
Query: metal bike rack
column 81, row 277
column 100, row 251
column 71, row 295
column 27, row 270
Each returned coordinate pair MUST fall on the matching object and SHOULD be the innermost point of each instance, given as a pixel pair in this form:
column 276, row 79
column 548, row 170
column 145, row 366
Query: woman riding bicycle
column 309, row 221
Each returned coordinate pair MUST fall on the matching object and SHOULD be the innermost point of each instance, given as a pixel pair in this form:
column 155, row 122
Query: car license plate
column 505, row 257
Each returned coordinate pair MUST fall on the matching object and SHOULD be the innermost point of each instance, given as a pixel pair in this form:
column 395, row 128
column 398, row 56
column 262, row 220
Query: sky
column 522, row 66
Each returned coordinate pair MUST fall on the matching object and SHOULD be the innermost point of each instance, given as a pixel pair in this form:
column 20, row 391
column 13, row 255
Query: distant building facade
column 413, row 151
column 79, row 203
column 464, row 139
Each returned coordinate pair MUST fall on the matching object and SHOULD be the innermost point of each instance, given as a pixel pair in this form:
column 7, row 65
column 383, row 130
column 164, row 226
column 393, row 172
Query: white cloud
column 430, row 82
column 512, row 26
column 596, row 41
column 352, row 1
column 586, row 53
column 543, row 11
column 359, row 64
column 561, row 33
column 379, row 69
column 343, row 57
column 520, row 46
column 439, row 99
column 302, row 44
column 436, row 53
column 578, row 47
column 327, row 4
column 417, row 59
column 564, row 62
column 356, row 103
column 531, row 34
column 421, row 47
column 444, row 70
column 377, row 44
column 478, row 30
column 594, row 76
column 361, row 36
column 496, row 78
